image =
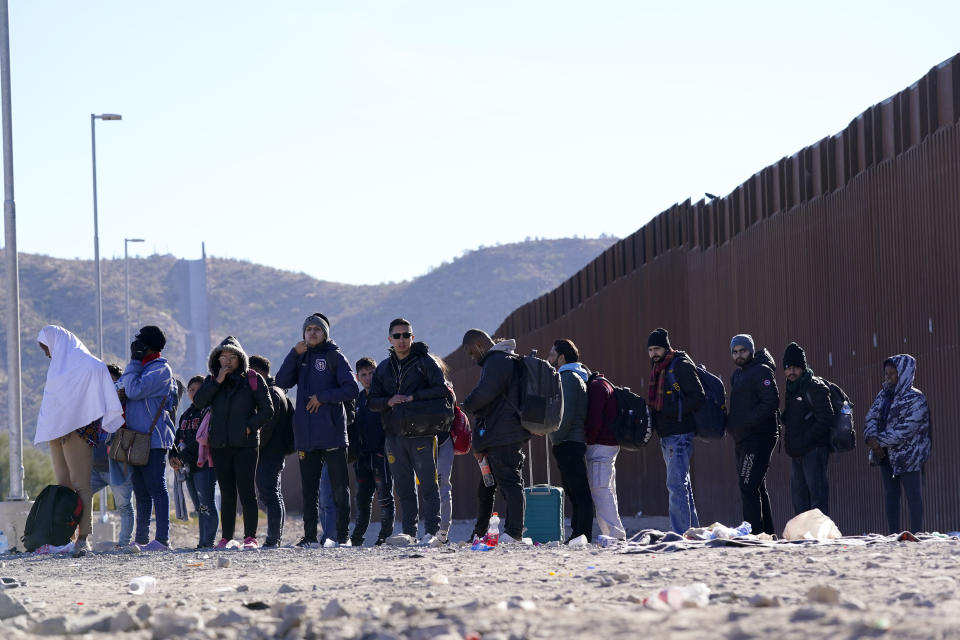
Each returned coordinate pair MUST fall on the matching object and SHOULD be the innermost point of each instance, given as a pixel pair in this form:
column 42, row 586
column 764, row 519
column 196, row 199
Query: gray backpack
column 541, row 396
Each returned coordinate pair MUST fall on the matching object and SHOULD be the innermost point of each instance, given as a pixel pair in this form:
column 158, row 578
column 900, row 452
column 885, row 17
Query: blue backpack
column 711, row 417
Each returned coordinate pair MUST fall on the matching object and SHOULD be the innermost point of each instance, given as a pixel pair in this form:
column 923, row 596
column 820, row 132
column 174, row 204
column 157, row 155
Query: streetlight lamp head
column 109, row 116
column 134, row 239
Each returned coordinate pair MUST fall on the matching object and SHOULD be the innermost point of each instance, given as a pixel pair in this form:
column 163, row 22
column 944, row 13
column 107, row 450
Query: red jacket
column 601, row 411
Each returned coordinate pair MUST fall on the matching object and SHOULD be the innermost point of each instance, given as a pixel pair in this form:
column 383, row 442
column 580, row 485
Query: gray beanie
column 319, row 320
column 742, row 340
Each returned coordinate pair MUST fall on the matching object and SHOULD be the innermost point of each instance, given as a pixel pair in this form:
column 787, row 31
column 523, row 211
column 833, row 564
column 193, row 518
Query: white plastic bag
column 811, row 525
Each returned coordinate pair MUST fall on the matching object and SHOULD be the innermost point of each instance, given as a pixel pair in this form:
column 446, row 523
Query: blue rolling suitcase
column 543, row 512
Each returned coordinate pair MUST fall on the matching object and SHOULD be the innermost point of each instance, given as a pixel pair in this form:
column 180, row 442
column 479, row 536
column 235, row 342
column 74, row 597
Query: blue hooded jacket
column 148, row 386
column 324, row 372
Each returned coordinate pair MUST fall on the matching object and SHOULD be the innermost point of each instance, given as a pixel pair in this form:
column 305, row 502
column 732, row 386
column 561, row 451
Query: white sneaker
column 330, row 543
column 429, row 541
column 508, row 539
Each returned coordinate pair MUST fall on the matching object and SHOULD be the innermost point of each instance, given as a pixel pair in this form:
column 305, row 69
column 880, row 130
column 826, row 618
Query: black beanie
column 152, row 337
column 659, row 338
column 794, row 356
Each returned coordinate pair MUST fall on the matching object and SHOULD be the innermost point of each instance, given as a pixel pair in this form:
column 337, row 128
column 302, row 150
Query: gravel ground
column 903, row 590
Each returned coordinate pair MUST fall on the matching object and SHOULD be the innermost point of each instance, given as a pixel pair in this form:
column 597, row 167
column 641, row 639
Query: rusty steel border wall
column 848, row 247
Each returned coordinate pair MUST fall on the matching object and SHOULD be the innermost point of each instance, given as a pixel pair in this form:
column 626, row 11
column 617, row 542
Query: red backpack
column 461, row 433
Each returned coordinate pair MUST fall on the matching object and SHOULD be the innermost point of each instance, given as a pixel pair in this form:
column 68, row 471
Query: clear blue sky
column 368, row 141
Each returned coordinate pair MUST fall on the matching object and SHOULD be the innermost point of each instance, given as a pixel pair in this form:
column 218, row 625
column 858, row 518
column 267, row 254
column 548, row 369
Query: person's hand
column 138, row 350
column 224, row 372
column 398, row 399
column 478, row 455
column 248, row 431
column 313, row 405
column 300, row 348
column 175, row 463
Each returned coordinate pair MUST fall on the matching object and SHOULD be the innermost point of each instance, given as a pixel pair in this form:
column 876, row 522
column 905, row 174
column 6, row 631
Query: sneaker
column 356, row 542
column 156, row 545
column 81, row 549
column 249, row 544
column 330, row 543
column 346, row 543
column 227, row 544
column 271, row 543
column 430, row 540
column 443, row 536
column 133, row 547
column 380, row 541
column 307, row 543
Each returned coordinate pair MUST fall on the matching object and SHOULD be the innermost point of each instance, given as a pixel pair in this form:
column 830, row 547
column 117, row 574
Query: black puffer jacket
column 754, row 399
column 235, row 406
column 417, row 375
column 185, row 445
column 807, row 419
column 668, row 422
column 496, row 398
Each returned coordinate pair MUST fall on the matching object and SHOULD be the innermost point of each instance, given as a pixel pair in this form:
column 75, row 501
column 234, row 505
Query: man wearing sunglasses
column 409, row 375
column 324, row 383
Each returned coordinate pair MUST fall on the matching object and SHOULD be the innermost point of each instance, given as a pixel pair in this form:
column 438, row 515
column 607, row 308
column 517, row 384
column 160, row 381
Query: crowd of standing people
column 389, row 420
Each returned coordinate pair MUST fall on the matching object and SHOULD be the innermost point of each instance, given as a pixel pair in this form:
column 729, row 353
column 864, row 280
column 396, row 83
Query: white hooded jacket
column 78, row 390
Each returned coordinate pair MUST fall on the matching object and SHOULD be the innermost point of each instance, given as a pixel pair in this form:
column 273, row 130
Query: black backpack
column 843, row 435
column 631, row 426
column 53, row 518
column 541, row 395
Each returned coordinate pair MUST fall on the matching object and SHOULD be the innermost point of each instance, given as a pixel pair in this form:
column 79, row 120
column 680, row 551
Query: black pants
column 413, row 459
column 506, row 463
column 311, row 466
column 236, row 468
column 911, row 484
column 753, row 460
column 373, row 476
column 809, row 488
column 269, row 468
column 573, row 476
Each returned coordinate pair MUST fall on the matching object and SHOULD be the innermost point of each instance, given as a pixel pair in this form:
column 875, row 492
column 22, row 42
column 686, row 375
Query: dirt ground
column 897, row 589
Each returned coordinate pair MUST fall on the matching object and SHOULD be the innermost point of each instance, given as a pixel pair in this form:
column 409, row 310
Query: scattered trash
column 479, row 545
column 143, row 584
column 9, row 583
column 811, row 525
column 256, row 606
column 606, row 541
column 194, row 564
column 439, row 578
column 764, row 601
column 677, row 597
column 906, row 536
column 578, row 542
column 286, row 588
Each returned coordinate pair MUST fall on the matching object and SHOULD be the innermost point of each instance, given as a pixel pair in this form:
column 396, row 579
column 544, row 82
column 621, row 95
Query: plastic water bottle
column 846, row 408
column 143, row 584
column 493, row 530
column 4, row 543
column 488, row 480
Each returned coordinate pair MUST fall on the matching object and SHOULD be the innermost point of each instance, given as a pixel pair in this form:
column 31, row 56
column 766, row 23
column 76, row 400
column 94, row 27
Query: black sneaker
column 356, row 542
column 379, row 542
column 308, row 543
column 270, row 543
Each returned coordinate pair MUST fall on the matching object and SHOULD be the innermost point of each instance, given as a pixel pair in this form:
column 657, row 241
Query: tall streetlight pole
column 14, row 397
column 126, row 284
column 96, row 222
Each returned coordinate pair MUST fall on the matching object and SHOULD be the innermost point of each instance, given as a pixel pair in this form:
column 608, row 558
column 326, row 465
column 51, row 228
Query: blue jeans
column 444, row 472
column 676, row 455
column 201, row 484
column 150, row 487
column 269, row 469
column 328, row 508
column 808, row 481
column 122, row 496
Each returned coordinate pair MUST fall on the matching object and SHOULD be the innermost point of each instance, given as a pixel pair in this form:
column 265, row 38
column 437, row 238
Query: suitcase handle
column 546, row 448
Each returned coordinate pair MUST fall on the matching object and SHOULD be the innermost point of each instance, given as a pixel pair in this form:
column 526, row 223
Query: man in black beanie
column 807, row 418
column 326, row 390
column 673, row 395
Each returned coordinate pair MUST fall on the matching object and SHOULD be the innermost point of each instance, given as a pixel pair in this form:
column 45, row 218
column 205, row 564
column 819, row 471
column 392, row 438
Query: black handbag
column 421, row 418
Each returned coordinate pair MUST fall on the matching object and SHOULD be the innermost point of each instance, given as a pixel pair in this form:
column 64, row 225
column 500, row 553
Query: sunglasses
column 397, row 336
